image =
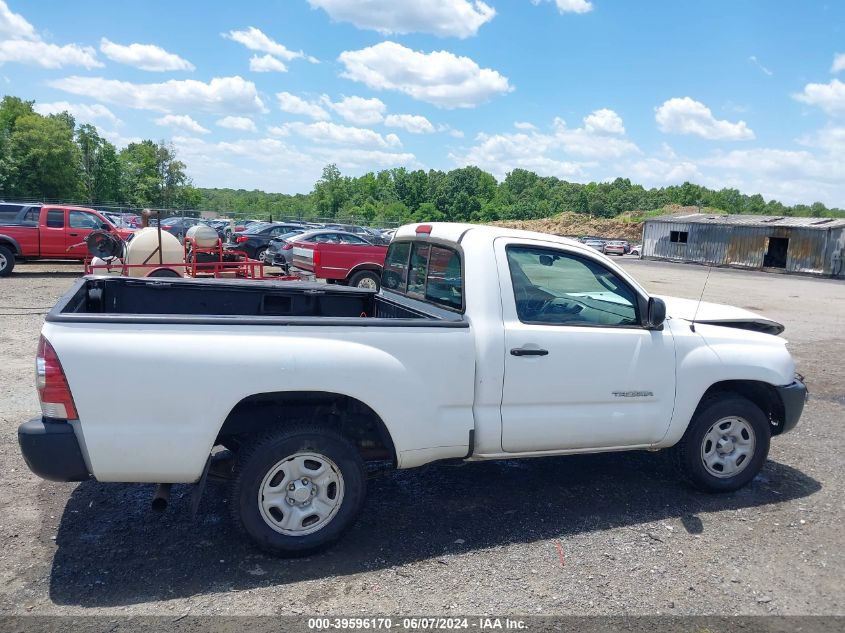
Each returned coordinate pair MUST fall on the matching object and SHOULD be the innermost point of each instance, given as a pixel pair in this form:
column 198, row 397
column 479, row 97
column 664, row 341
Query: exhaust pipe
column 161, row 498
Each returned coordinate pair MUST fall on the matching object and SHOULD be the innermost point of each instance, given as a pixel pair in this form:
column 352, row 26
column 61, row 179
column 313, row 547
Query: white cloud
column 20, row 43
column 604, row 121
column 560, row 152
column 440, row 77
column 256, row 40
column 328, row 132
column 266, row 64
column 829, row 97
column 297, row 105
column 446, row 18
column 242, row 123
column 753, row 59
column 413, row 123
column 524, row 125
column 272, row 164
column 687, row 116
column 358, row 110
column 82, row 112
column 181, row 122
column 14, row 25
column 831, row 139
column 37, row 53
column 220, row 95
column 570, row 6
column 144, row 56
column 838, row 63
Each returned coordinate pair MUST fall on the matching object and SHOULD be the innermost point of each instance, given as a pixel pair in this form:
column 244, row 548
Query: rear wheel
column 365, row 279
column 726, row 444
column 261, row 255
column 7, row 261
column 296, row 490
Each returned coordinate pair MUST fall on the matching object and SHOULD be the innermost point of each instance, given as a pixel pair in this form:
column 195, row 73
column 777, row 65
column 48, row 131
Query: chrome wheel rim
column 728, row 447
column 301, row 494
column 3, row 262
column 369, row 284
column 262, row 256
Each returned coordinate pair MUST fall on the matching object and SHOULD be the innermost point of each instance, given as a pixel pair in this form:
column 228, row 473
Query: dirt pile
column 578, row 225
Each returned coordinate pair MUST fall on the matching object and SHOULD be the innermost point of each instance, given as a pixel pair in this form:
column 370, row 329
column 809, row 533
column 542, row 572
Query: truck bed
column 214, row 301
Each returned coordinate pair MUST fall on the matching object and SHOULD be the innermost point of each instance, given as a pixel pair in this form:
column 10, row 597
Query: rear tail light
column 53, row 391
column 241, row 238
column 287, row 246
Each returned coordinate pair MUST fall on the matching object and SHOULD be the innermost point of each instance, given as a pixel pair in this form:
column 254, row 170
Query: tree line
column 469, row 194
column 52, row 158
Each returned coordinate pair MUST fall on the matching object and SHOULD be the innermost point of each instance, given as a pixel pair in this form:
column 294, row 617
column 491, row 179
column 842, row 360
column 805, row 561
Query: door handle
column 74, row 234
column 522, row 351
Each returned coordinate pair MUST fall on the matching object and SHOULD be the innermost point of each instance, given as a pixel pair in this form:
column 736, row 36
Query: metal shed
column 797, row 245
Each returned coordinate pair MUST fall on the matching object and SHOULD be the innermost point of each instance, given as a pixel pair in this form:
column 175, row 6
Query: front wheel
column 7, row 261
column 296, row 490
column 261, row 255
column 725, row 445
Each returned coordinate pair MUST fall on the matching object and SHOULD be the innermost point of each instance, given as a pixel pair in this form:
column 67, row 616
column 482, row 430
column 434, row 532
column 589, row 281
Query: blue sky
column 262, row 94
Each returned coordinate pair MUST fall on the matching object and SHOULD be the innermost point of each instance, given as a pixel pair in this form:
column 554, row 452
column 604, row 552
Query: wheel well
column 373, row 268
column 349, row 416
column 762, row 394
column 10, row 245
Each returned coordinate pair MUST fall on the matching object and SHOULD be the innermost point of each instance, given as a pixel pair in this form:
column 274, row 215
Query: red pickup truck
column 36, row 231
column 339, row 257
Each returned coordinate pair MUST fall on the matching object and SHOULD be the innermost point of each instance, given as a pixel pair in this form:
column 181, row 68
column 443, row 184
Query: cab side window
column 56, row 218
column 558, row 288
column 82, row 220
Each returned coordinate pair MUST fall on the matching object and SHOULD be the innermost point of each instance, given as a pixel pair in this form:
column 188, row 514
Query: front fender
column 714, row 354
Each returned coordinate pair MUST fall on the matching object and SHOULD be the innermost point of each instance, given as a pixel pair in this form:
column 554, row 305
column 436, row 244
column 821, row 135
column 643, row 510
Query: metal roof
column 751, row 220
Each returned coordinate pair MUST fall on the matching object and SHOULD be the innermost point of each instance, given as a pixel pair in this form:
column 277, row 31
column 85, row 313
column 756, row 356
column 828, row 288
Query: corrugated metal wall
column 809, row 251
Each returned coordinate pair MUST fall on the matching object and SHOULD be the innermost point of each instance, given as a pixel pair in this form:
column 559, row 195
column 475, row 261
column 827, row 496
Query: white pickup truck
column 484, row 343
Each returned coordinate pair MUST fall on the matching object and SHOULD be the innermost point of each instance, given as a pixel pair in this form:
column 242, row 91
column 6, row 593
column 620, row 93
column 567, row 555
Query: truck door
column 51, row 231
column 80, row 224
column 581, row 371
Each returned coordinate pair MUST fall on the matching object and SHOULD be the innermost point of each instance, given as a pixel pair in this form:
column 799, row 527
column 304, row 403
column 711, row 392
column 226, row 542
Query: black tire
column 259, row 252
column 164, row 272
column 257, row 460
column 7, row 261
column 688, row 452
column 365, row 277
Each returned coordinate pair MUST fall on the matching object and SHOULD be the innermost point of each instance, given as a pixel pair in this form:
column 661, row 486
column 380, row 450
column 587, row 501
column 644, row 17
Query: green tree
column 45, row 159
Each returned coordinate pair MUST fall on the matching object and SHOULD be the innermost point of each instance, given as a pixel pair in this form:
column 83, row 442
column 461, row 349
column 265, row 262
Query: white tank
column 145, row 242
column 101, row 269
column 203, row 235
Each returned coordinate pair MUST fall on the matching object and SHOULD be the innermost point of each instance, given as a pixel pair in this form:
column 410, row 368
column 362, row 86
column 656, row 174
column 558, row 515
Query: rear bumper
column 51, row 450
column 793, row 397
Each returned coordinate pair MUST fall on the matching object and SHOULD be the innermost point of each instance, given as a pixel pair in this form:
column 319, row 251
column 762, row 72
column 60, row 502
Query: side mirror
column 656, row 314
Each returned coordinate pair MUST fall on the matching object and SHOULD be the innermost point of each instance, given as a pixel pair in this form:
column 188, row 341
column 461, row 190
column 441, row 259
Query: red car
column 34, row 231
column 338, row 257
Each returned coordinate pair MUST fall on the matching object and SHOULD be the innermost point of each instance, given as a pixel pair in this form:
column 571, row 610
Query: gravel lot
column 605, row 534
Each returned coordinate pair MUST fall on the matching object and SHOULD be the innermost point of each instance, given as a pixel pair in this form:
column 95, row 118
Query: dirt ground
column 606, row 534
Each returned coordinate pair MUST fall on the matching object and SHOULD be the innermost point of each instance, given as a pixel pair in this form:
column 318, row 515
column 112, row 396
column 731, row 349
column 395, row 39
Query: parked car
column 637, row 250
column 614, row 247
column 124, row 220
column 255, row 240
column 178, row 225
column 339, row 257
column 34, row 231
column 595, row 244
column 469, row 367
column 237, row 226
column 280, row 250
